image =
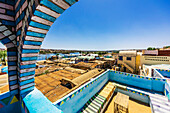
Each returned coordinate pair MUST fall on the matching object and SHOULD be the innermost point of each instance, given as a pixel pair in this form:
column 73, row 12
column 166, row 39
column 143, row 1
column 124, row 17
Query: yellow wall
column 138, row 62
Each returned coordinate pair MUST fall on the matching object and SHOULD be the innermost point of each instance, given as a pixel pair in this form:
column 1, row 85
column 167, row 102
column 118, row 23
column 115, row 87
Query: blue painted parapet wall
column 9, row 104
column 146, row 83
column 164, row 73
column 76, row 100
column 33, row 102
column 36, row 102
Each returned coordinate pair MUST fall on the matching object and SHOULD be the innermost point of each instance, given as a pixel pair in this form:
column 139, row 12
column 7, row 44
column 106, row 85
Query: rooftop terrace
column 146, row 94
column 140, row 90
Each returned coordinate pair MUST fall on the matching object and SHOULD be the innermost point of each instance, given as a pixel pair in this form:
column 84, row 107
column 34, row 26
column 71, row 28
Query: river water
column 44, row 56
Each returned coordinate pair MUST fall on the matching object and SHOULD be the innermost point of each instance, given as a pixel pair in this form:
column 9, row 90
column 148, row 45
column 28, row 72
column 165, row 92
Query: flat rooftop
column 50, row 85
column 84, row 65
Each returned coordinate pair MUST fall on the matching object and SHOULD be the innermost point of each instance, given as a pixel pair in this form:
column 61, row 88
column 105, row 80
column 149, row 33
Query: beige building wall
column 131, row 62
column 151, row 60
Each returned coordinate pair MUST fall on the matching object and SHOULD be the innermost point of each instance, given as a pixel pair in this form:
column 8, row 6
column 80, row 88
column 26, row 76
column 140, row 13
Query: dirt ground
column 134, row 107
column 50, row 85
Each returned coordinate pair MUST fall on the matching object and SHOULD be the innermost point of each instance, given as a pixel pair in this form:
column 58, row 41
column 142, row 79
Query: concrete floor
column 134, row 107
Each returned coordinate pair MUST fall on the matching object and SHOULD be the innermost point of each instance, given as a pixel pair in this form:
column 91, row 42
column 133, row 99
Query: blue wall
column 129, row 80
column 158, row 86
column 36, row 102
column 77, row 102
column 165, row 73
column 152, row 84
column 11, row 108
column 9, row 104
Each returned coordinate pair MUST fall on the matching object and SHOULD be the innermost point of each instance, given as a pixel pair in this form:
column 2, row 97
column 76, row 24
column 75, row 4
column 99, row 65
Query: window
column 128, row 58
column 120, row 57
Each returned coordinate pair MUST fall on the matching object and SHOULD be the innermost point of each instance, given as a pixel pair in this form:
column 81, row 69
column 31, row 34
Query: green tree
column 149, row 48
column 3, row 56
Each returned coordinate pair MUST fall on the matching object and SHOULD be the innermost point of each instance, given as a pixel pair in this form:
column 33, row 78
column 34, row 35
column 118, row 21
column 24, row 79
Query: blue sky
column 111, row 24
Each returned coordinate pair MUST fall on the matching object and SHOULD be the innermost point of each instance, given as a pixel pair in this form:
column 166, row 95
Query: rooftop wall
column 131, row 53
column 9, row 104
column 147, row 83
column 165, row 73
column 75, row 101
